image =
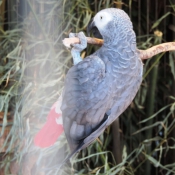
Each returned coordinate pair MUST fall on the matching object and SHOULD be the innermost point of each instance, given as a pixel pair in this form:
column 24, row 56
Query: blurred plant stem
column 172, row 134
column 116, row 141
column 151, row 96
column 118, row 4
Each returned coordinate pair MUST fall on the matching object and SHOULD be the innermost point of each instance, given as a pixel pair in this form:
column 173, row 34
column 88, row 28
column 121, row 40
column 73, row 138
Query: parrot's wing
column 85, row 100
column 91, row 93
column 88, row 140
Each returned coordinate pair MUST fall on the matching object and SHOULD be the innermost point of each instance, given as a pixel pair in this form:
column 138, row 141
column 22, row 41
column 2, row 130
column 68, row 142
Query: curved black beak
column 92, row 27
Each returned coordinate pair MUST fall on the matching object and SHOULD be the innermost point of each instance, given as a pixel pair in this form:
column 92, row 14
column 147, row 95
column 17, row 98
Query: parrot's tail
column 53, row 128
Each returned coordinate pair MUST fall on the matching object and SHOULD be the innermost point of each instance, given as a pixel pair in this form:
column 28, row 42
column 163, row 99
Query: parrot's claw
column 72, row 35
column 83, row 41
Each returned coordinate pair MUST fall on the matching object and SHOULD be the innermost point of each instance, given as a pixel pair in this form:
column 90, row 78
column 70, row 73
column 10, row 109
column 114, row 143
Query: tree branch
column 144, row 54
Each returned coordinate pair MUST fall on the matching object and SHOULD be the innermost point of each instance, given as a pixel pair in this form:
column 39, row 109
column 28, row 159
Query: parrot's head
column 109, row 24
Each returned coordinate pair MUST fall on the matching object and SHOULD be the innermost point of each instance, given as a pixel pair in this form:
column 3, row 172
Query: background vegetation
column 33, row 64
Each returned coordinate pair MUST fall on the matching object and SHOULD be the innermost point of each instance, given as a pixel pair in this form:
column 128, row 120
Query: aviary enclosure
column 33, row 64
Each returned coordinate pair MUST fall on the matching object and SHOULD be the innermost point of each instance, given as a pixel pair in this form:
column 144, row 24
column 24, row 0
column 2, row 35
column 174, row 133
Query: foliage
column 32, row 71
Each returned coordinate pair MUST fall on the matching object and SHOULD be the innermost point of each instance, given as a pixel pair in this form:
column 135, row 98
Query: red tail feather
column 53, row 128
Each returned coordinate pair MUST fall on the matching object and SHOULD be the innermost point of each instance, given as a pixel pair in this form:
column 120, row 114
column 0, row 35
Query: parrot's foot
column 83, row 41
column 77, row 48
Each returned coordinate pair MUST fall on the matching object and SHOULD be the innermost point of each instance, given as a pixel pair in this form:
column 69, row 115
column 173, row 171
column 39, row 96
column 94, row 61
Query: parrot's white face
column 102, row 24
column 102, row 19
column 109, row 24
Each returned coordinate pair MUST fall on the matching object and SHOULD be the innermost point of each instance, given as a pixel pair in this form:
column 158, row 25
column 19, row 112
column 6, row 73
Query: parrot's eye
column 101, row 17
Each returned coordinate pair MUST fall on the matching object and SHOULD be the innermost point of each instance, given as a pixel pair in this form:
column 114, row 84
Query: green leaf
column 159, row 20
column 152, row 160
column 172, row 63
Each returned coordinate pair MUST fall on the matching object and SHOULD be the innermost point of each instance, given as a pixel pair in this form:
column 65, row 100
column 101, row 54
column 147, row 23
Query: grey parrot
column 101, row 86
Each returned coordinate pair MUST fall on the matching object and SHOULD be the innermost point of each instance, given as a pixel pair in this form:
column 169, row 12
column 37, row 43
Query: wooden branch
column 68, row 41
column 144, row 54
